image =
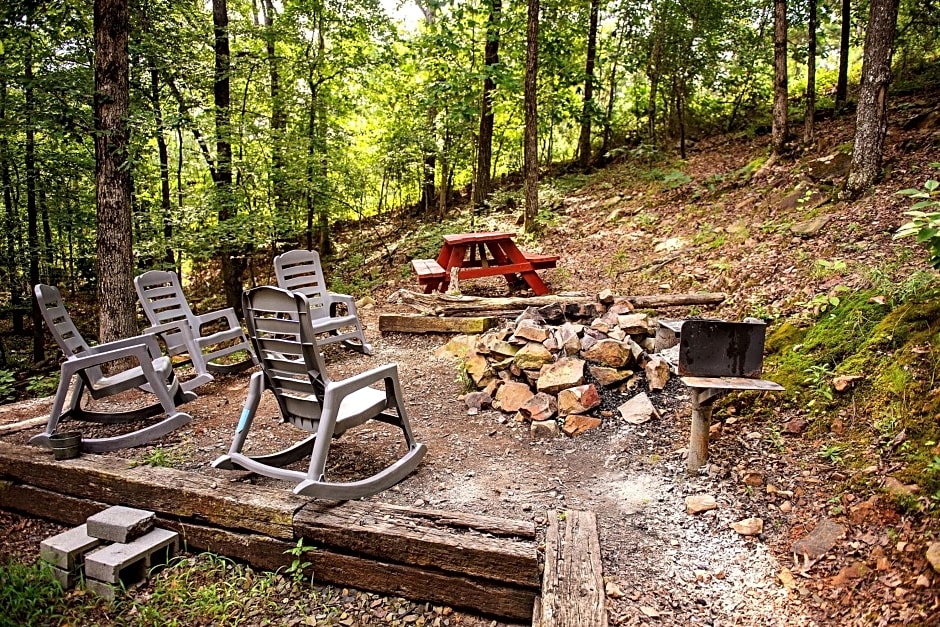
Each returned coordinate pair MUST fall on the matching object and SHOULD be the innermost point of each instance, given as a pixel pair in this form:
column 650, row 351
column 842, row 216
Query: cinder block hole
column 133, row 573
column 160, row 558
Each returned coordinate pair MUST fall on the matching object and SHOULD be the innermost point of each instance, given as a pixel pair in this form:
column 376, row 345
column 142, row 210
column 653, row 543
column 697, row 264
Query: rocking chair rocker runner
column 300, row 271
column 162, row 300
column 81, row 373
column 280, row 326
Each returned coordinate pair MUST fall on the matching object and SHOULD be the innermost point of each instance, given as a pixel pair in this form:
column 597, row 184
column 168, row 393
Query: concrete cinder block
column 66, row 578
column 120, row 524
column 130, row 563
column 103, row 590
column 65, row 550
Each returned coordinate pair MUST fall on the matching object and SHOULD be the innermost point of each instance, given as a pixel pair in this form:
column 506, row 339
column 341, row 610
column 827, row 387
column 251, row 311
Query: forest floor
column 709, row 223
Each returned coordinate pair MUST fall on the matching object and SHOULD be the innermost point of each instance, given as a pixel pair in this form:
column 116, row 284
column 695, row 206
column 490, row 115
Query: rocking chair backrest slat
column 66, row 334
column 162, row 300
column 286, row 346
column 300, row 271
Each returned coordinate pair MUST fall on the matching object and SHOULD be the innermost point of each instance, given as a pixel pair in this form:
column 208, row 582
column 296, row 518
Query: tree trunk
column 232, row 266
column 842, row 83
column 278, row 127
column 653, row 73
column 531, row 145
column 116, row 300
column 481, row 186
column 10, row 223
column 32, row 217
column 872, row 122
column 779, row 134
column 584, row 141
column 809, row 126
column 612, row 90
column 164, row 157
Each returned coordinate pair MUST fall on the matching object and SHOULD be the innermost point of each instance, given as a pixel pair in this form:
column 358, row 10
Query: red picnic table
column 468, row 252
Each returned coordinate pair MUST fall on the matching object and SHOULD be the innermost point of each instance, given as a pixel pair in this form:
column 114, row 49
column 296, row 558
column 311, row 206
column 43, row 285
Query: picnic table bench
column 477, row 255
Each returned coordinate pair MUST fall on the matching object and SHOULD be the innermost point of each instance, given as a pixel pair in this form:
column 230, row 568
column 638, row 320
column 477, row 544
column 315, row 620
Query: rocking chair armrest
column 228, row 313
column 365, row 379
column 341, row 299
column 115, row 346
column 140, row 350
column 178, row 326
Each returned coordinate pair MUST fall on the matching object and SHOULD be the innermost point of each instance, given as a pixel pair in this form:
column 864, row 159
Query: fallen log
column 448, row 305
column 24, row 424
column 416, row 323
column 443, row 304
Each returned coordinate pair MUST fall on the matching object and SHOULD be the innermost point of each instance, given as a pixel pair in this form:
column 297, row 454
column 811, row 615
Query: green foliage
column 925, row 219
column 42, row 385
column 297, row 569
column 161, row 458
column 833, row 453
column 29, row 595
column 7, row 391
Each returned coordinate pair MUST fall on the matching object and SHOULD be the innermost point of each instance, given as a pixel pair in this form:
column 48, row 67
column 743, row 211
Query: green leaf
column 931, row 185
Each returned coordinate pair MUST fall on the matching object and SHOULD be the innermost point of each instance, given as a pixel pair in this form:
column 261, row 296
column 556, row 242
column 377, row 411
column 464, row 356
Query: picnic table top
column 470, row 238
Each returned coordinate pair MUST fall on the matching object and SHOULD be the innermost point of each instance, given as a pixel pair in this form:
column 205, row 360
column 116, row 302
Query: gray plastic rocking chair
column 300, row 271
column 281, row 331
column 81, row 374
column 165, row 306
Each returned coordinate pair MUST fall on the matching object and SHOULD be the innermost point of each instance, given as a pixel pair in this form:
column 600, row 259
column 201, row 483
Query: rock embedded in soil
column 576, row 424
column 933, row 556
column 637, row 410
column 512, row 395
column 543, row 429
column 748, row 526
column 539, row 408
column 698, row 503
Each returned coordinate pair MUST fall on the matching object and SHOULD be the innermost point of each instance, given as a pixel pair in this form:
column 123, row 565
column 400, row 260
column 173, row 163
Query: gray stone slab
column 65, row 550
column 102, row 589
column 66, row 578
column 120, row 524
column 131, row 562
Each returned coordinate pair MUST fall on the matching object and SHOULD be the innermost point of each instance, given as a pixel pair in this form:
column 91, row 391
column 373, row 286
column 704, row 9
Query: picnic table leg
column 455, row 260
column 502, row 259
column 702, row 400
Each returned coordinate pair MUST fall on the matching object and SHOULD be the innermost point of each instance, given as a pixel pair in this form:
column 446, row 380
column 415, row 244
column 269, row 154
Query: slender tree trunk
column 809, row 126
column 32, row 230
column 842, row 83
column 278, row 126
column 779, row 134
column 612, row 90
column 653, row 72
column 584, row 141
column 531, row 146
column 233, row 266
column 10, row 222
column 481, row 186
column 48, row 250
column 872, row 122
column 164, row 157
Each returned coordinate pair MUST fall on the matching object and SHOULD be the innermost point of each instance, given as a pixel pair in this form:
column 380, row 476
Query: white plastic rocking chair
column 292, row 368
column 82, row 373
column 161, row 297
column 300, row 271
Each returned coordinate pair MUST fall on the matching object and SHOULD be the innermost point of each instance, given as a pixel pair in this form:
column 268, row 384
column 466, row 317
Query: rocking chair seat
column 132, row 378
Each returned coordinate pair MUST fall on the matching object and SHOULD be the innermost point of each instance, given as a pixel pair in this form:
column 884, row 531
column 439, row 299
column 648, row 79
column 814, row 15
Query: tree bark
column 809, row 123
column 653, row 72
column 116, row 300
column 584, row 141
column 32, row 217
column 278, row 127
column 531, row 145
column 481, row 186
column 164, row 157
column 779, row 134
column 872, row 121
column 11, row 223
column 232, row 265
column 842, row 83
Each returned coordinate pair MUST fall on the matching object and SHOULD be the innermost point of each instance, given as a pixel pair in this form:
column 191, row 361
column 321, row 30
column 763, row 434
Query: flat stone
column 532, row 356
column 811, row 227
column 698, row 503
column 477, row 400
column 933, row 556
column 478, row 368
column 578, row 400
column 565, row 373
column 817, row 543
column 748, row 526
column 543, row 429
column 610, row 353
column 528, row 330
column 635, row 324
column 637, row 410
column 609, row 376
column 513, row 395
column 457, row 347
column 657, row 372
column 569, row 338
column 538, row 408
column 576, row 424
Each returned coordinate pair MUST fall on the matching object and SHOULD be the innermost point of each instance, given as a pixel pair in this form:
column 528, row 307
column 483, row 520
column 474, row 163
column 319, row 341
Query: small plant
column 29, row 595
column 925, row 219
column 42, row 385
column 817, row 378
column 832, row 453
column 7, row 391
column 159, row 457
column 464, row 378
column 824, row 268
column 933, row 468
column 296, row 570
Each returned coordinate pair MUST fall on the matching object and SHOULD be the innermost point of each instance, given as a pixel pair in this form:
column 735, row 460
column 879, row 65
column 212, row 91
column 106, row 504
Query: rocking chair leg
column 255, row 388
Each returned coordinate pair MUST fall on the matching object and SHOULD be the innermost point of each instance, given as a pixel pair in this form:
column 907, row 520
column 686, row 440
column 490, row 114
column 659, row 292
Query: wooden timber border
column 483, row 564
